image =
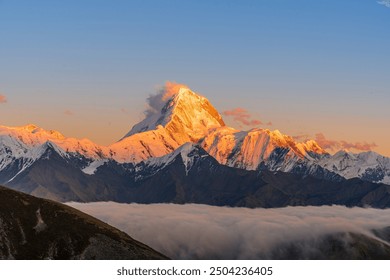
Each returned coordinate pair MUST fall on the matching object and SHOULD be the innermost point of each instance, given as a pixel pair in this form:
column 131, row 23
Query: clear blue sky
column 85, row 67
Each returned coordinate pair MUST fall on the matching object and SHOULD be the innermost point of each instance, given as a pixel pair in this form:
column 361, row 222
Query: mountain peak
column 39, row 133
column 177, row 115
column 28, row 141
column 186, row 115
column 30, row 127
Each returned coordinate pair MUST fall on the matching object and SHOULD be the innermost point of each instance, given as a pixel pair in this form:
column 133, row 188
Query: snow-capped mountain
column 182, row 122
column 23, row 140
column 272, row 150
column 368, row 166
column 259, row 148
column 184, row 117
column 188, row 117
column 191, row 175
column 20, row 147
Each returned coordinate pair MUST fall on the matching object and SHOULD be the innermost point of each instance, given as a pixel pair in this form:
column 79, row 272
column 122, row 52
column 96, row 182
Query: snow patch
column 183, row 151
column 364, row 165
column 93, row 166
column 40, row 226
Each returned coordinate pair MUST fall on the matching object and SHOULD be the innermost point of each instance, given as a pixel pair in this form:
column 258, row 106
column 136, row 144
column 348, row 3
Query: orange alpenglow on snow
column 177, row 121
column 247, row 149
column 31, row 138
column 175, row 115
column 172, row 88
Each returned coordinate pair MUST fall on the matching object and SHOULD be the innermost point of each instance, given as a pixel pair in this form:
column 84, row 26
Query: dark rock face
column 205, row 181
column 57, row 178
column 208, row 182
column 33, row 228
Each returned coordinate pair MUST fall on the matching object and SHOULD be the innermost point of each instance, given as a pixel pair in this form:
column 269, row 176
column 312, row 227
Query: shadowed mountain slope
column 34, row 228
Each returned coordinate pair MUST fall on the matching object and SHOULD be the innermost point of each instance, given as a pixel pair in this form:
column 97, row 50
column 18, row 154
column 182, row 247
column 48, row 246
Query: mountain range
column 183, row 152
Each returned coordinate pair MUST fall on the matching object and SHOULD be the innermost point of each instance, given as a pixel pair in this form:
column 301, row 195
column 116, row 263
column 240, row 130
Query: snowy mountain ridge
column 369, row 166
column 23, row 140
column 21, row 146
column 183, row 121
column 249, row 149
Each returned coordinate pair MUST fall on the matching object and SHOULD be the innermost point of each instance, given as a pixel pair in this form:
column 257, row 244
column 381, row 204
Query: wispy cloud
column 301, row 137
column 125, row 111
column 3, row 99
column 68, row 113
column 243, row 117
column 207, row 232
column 157, row 101
column 336, row 145
column 358, row 146
column 326, row 143
column 385, row 3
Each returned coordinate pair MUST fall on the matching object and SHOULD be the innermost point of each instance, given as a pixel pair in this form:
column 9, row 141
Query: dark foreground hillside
column 34, row 228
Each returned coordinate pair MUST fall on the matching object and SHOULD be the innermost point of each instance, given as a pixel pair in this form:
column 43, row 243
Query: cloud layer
column 208, row 232
column 243, row 117
column 337, row 145
column 3, row 99
column 68, row 112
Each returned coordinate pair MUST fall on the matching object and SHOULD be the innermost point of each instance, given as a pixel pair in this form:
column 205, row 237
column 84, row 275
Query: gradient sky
column 86, row 67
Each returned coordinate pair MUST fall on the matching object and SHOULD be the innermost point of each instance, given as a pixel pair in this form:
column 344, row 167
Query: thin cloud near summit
column 336, row 145
column 156, row 101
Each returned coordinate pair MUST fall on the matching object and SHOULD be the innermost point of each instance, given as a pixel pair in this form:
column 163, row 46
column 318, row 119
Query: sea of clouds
column 194, row 231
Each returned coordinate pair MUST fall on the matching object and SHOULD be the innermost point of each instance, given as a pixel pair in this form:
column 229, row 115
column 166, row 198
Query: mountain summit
column 177, row 115
column 186, row 116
